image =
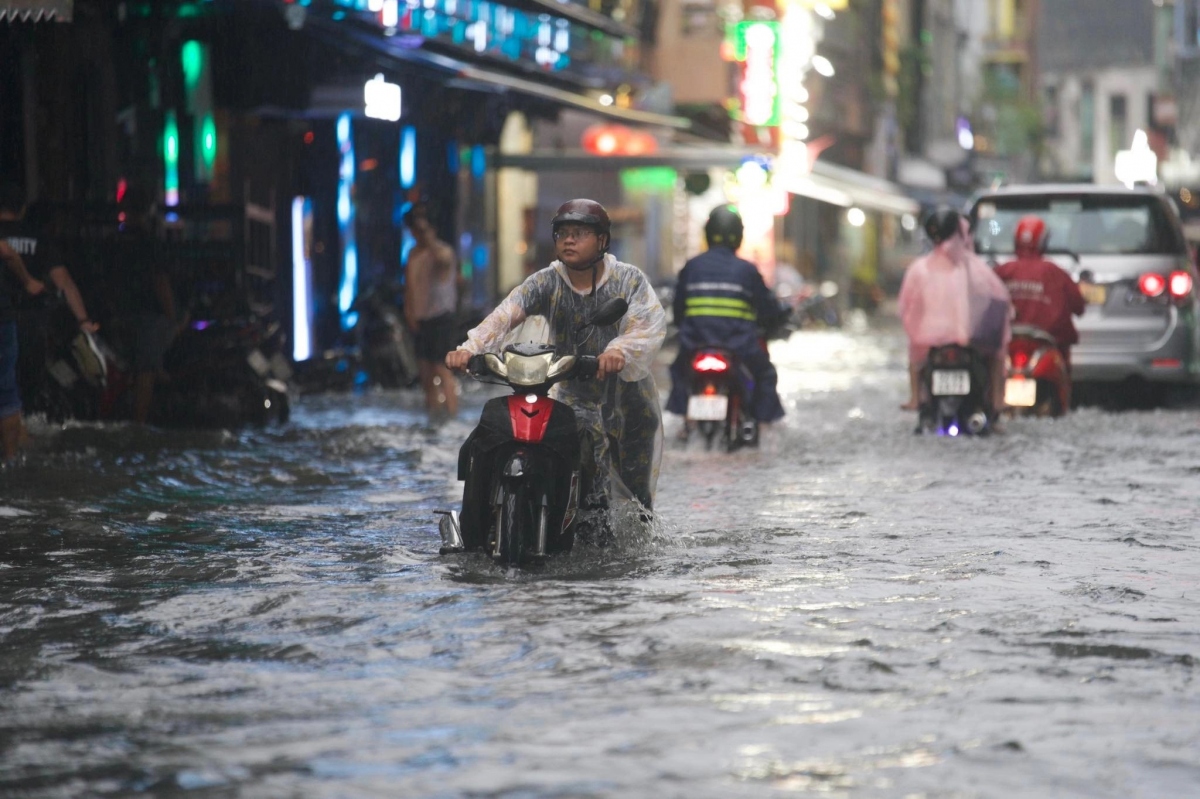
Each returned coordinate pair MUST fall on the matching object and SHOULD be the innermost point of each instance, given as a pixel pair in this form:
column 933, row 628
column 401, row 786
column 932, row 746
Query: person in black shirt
column 149, row 299
column 12, row 206
column 38, row 237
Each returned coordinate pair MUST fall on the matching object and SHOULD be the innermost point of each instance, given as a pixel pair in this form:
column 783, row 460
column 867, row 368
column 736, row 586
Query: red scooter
column 1039, row 383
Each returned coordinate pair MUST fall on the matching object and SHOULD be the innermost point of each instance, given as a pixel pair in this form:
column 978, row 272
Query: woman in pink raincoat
column 950, row 296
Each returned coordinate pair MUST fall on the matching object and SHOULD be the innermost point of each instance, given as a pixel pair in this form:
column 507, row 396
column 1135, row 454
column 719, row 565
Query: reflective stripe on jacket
column 719, row 300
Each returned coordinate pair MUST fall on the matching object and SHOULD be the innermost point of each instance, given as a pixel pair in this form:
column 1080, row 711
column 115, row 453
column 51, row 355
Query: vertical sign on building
column 197, row 86
column 756, row 47
column 890, row 46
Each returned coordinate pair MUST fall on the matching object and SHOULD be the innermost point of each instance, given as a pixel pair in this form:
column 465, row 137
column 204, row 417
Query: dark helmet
column 943, row 223
column 724, row 228
column 583, row 212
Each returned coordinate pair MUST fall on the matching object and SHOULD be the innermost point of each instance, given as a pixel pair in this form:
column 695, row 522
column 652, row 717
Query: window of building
column 1118, row 119
column 1050, row 113
column 1087, row 127
column 698, row 19
column 1189, row 25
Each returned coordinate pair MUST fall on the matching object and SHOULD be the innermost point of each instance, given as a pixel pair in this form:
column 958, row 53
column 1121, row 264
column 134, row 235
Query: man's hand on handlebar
column 610, row 362
column 457, row 359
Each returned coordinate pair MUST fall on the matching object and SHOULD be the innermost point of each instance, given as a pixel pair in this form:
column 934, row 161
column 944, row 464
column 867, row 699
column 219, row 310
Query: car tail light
column 1180, row 284
column 1152, row 285
column 707, row 362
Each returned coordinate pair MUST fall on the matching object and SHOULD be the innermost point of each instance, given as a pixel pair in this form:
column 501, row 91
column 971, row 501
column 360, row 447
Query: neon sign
column 757, row 47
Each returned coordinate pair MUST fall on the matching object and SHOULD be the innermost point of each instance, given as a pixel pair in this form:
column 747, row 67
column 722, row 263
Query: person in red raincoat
column 1043, row 295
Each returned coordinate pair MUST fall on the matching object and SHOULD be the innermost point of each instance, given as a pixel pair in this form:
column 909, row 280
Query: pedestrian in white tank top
column 430, row 306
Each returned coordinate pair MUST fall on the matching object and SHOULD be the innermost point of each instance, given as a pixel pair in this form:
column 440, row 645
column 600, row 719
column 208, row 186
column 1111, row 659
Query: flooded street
column 850, row 611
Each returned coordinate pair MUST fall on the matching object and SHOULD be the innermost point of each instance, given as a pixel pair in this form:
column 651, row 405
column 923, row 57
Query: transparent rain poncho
column 950, row 296
column 621, row 412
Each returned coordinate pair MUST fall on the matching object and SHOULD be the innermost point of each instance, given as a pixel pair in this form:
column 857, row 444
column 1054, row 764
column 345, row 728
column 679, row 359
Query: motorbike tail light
column 1152, row 284
column 1020, row 359
column 707, row 362
column 1179, row 284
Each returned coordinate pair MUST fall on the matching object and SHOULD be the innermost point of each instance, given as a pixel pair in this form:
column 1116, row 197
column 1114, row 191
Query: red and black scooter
column 1039, row 382
column 525, row 465
column 719, row 399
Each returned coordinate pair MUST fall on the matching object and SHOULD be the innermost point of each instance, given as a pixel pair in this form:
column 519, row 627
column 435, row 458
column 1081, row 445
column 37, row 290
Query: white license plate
column 1020, row 392
column 951, row 382
column 706, row 408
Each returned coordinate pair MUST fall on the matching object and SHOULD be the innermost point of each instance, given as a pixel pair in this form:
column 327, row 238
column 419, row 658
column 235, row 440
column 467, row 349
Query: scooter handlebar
column 586, row 367
column 477, row 366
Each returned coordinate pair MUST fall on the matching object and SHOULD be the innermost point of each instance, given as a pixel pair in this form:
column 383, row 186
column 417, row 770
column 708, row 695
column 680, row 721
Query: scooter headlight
column 495, row 365
column 528, row 370
column 561, row 366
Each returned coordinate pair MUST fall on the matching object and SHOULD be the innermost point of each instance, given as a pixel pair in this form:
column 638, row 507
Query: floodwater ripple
column 849, row 611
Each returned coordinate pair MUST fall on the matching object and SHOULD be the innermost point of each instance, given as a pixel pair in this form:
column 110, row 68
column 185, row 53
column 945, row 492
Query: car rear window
column 1096, row 224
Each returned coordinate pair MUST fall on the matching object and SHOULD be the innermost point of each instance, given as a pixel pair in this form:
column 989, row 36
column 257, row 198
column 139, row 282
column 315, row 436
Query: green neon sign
column 171, row 158
column 648, row 178
column 756, row 46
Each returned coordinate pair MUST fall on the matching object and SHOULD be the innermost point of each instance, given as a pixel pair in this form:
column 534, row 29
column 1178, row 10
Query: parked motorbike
column 954, row 390
column 388, row 351
column 1038, row 382
column 224, row 374
column 525, row 466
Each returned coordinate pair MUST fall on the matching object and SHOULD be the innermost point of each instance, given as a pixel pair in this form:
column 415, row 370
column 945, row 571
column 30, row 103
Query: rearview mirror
column 609, row 312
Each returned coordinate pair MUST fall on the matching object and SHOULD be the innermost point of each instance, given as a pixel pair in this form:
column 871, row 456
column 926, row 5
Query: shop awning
column 839, row 185
column 462, row 75
column 829, row 183
column 581, row 14
column 471, row 77
column 36, row 10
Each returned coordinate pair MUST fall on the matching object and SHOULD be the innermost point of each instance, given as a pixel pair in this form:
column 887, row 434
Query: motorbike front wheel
column 518, row 524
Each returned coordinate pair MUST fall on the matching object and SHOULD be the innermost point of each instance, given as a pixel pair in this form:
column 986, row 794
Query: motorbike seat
column 728, row 355
column 1030, row 331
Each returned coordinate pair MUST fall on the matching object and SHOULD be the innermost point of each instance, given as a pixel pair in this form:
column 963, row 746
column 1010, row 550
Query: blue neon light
column 408, row 157
column 301, row 281
column 478, row 161
column 348, row 286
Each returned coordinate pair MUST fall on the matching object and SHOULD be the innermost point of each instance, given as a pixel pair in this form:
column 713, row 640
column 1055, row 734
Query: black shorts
column 436, row 337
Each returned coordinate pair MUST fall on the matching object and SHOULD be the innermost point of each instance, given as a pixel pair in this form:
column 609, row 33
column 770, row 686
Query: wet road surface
column 850, row 611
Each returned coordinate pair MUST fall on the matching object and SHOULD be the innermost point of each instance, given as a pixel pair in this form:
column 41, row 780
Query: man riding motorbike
column 950, row 296
column 619, row 408
column 1043, row 295
column 722, row 301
